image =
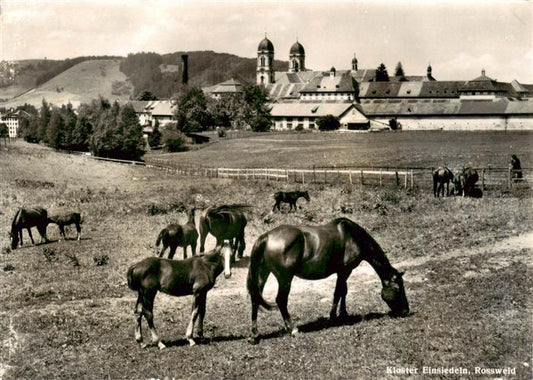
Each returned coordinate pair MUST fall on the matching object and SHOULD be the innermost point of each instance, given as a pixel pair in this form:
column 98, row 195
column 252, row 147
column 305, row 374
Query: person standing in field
column 516, row 167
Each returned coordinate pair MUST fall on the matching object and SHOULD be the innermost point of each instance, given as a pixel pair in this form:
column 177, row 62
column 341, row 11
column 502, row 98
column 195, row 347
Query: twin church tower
column 265, row 61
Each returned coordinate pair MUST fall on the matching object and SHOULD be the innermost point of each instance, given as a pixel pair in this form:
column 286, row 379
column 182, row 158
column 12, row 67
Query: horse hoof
column 191, row 342
column 161, row 346
column 144, row 345
column 253, row 340
column 295, row 332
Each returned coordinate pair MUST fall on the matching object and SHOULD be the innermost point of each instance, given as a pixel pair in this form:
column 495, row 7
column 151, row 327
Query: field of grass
column 66, row 311
column 385, row 149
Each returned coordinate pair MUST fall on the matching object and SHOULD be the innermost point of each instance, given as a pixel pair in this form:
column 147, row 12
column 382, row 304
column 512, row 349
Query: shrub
column 175, row 145
column 328, row 123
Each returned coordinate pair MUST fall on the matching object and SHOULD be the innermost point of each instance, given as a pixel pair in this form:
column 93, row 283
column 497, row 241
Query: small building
column 228, row 87
column 12, row 120
column 287, row 116
column 151, row 111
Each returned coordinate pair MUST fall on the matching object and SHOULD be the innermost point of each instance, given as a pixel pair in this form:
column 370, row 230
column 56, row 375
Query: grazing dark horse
column 442, row 176
column 464, row 182
column 175, row 235
column 226, row 222
column 28, row 218
column 289, row 197
column 314, row 253
column 194, row 276
column 63, row 220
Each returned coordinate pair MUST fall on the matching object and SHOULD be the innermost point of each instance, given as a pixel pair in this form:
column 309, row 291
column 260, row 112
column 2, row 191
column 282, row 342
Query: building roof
column 324, row 82
column 265, row 45
column 309, row 109
column 297, row 48
column 160, row 108
column 139, row 105
column 229, row 86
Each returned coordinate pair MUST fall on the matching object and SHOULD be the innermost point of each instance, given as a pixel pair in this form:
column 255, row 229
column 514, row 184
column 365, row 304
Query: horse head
column 14, row 236
column 393, row 293
column 224, row 252
column 305, row 194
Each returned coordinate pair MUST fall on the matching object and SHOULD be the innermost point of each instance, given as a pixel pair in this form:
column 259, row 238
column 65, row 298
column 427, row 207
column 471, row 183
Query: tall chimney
column 184, row 69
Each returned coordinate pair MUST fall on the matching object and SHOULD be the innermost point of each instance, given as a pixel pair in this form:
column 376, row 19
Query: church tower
column 265, row 62
column 296, row 58
column 354, row 64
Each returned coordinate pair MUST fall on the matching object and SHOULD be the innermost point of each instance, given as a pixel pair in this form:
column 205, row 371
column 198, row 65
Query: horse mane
column 15, row 220
column 227, row 209
column 373, row 253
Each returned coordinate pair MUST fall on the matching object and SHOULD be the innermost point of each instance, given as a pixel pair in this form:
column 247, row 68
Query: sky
column 458, row 38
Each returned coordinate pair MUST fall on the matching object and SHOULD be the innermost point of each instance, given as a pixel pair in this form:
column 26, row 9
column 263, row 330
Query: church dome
column 265, row 45
column 297, row 48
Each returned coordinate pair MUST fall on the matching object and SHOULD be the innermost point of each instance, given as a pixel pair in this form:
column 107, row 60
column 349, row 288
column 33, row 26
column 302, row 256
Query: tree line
column 105, row 129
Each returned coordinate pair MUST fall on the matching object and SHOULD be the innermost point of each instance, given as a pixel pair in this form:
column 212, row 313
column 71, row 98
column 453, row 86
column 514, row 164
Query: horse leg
column 341, row 289
column 138, row 316
column 184, row 252
column 196, row 300
column 282, row 300
column 29, row 233
column 62, row 232
column 193, row 248
column 20, row 236
column 172, row 251
column 148, row 312
column 78, row 231
column 241, row 244
column 201, row 315
column 261, row 281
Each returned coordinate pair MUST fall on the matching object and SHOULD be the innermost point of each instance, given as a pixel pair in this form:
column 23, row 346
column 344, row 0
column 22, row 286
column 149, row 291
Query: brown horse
column 27, row 218
column 226, row 222
column 175, row 235
column 442, row 176
column 464, row 182
column 290, row 197
column 63, row 220
column 194, row 276
column 314, row 253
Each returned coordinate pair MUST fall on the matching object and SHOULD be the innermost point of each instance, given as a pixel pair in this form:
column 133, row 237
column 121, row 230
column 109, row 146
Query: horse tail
column 256, row 261
column 161, row 236
column 133, row 280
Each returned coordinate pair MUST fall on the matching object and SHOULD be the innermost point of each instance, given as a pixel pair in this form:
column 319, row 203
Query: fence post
column 509, row 183
column 350, row 176
column 483, row 179
column 303, row 177
column 405, row 183
column 314, row 174
column 380, row 177
column 362, row 178
column 287, row 174
column 325, row 175
column 397, row 179
column 412, row 179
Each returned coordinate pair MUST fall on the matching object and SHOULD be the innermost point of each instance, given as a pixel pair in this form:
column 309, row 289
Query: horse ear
column 402, row 273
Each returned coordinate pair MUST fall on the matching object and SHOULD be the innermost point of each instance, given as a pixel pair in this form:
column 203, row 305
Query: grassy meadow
column 66, row 311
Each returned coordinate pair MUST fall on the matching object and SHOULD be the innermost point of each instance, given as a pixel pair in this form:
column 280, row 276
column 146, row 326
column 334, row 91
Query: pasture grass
column 67, row 311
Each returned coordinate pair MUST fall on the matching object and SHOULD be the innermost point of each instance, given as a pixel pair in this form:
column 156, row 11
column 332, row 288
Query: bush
column 175, row 145
column 328, row 123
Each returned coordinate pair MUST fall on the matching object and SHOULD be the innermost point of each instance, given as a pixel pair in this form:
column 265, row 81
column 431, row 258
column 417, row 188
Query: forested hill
column 162, row 74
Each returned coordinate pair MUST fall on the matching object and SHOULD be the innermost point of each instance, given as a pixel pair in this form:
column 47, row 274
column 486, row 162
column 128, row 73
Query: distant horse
column 464, row 182
column 63, row 220
column 226, row 222
column 441, row 176
column 314, row 253
column 27, row 218
column 194, row 276
column 289, row 197
column 175, row 235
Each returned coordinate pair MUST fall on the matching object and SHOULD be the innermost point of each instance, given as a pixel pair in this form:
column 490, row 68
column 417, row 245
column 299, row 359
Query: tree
column 398, row 72
column 132, row 147
column 29, row 129
column 55, row 131
column 146, row 95
column 191, row 113
column 256, row 110
column 4, row 132
column 44, row 119
column 328, row 123
column 155, row 137
column 381, row 74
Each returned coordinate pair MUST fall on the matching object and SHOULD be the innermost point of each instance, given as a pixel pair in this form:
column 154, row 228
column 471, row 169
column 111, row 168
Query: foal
column 175, row 235
column 194, row 276
column 63, row 220
column 290, row 197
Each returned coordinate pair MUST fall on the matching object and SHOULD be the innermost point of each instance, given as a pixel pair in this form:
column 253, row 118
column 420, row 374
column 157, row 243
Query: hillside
column 122, row 78
column 79, row 84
